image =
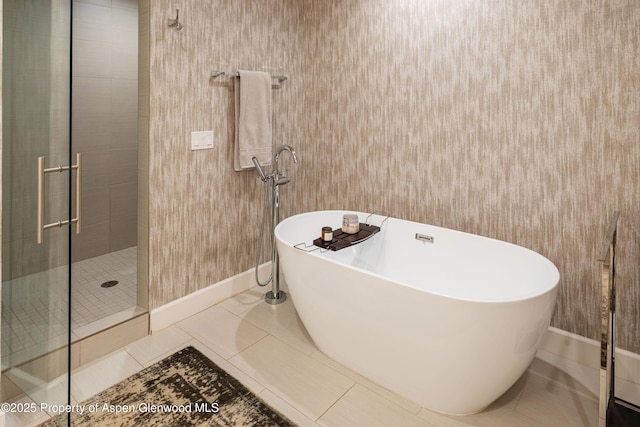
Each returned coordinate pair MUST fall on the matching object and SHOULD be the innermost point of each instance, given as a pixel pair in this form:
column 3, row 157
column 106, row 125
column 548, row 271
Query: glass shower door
column 35, row 196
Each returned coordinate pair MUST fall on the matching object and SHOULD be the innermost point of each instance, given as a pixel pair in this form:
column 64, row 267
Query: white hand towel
column 252, row 93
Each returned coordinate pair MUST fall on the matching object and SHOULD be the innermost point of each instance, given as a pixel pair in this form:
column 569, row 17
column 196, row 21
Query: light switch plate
column 202, row 140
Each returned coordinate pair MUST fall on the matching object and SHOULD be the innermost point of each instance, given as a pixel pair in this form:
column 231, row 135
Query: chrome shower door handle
column 78, row 168
column 40, row 213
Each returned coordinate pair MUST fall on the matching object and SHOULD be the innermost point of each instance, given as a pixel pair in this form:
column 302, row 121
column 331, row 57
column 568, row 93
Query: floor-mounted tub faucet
column 275, row 295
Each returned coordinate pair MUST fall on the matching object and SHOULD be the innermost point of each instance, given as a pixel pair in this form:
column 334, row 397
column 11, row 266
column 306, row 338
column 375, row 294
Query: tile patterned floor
column 268, row 350
column 35, row 306
column 91, row 302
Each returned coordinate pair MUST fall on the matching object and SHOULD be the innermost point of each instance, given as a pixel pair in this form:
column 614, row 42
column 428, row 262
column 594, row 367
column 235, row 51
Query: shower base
column 93, row 308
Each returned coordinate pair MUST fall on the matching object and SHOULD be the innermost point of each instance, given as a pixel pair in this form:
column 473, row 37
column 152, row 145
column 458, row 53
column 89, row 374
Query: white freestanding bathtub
column 447, row 319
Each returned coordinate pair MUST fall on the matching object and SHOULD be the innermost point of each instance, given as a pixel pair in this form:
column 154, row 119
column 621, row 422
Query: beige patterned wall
column 202, row 215
column 514, row 120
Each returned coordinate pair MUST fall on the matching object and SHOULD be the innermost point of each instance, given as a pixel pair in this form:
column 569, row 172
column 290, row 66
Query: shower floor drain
column 109, row 283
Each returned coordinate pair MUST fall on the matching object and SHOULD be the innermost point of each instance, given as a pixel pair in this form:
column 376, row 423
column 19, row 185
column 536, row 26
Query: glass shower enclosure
column 38, row 199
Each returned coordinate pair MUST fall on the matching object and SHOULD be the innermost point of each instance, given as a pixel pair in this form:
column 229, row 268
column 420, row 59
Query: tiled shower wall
column 105, row 96
column 31, row 128
column 514, row 120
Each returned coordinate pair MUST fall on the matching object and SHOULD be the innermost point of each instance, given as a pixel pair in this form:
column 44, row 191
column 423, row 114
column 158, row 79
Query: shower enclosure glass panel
column 35, row 122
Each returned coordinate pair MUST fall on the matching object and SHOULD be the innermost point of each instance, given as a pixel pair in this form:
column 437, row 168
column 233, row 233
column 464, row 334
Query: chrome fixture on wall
column 175, row 23
column 272, row 197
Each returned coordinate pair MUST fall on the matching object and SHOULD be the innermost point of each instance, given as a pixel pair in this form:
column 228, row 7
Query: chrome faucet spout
column 282, row 148
column 277, row 177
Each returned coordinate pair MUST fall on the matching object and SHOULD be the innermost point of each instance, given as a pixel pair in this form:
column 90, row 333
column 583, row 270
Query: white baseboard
column 180, row 309
column 559, row 346
column 572, row 347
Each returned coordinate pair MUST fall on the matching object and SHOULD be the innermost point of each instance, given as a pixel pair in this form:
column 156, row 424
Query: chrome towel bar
column 216, row 73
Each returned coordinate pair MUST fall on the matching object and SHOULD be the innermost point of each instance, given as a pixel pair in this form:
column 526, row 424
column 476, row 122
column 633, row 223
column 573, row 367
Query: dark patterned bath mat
column 185, row 389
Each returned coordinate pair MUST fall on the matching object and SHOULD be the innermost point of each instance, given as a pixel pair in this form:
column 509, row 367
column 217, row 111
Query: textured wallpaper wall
column 202, row 214
column 513, row 120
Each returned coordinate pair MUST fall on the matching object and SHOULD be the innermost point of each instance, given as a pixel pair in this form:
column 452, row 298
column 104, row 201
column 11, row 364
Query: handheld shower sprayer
column 256, row 163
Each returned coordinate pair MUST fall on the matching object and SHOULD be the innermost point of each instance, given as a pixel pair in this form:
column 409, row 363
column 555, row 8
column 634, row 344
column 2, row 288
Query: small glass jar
column 327, row 234
column 350, row 223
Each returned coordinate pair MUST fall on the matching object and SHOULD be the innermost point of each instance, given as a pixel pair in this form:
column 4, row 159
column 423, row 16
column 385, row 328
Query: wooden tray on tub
column 343, row 240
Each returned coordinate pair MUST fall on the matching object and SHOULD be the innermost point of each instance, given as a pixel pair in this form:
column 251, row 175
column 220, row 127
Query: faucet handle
column 281, row 180
column 256, row 163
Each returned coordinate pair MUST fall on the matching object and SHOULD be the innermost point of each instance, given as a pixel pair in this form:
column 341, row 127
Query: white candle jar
column 350, row 223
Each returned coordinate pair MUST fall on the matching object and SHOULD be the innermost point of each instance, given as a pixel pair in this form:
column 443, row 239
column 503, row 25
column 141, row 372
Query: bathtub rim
column 553, row 268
